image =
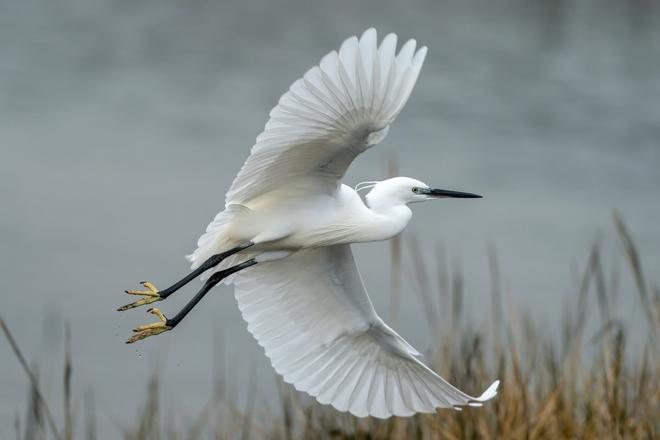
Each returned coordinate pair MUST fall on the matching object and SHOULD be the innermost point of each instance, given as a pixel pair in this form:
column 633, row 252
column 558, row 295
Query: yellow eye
column 415, row 189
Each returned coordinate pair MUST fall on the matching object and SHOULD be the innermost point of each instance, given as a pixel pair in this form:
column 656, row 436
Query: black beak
column 442, row 193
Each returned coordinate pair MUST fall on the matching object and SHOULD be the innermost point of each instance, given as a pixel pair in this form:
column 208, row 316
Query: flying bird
column 284, row 239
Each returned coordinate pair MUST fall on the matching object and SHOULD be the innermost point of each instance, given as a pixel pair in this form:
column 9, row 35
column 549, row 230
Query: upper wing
column 334, row 112
column 317, row 325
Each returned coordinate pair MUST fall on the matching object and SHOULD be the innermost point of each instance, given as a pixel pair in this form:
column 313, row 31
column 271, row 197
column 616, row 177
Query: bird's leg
column 144, row 331
column 152, row 294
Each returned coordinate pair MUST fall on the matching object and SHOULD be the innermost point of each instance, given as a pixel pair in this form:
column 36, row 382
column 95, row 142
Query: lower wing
column 317, row 325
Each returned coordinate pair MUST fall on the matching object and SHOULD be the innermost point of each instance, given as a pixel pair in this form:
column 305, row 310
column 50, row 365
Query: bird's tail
column 216, row 239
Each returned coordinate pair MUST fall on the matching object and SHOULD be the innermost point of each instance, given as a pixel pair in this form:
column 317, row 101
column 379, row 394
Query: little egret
column 284, row 239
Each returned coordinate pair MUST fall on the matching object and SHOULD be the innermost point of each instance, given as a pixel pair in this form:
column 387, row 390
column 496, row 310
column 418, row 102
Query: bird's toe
column 151, row 295
column 153, row 329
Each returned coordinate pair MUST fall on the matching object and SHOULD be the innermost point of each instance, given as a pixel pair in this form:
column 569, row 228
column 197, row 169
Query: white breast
column 322, row 220
column 345, row 219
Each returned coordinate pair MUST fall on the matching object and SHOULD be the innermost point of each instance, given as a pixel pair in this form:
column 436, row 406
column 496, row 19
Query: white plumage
column 308, row 308
column 316, row 323
column 330, row 115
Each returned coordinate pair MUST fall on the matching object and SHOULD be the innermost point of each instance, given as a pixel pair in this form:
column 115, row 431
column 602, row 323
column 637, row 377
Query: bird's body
column 283, row 221
column 284, row 238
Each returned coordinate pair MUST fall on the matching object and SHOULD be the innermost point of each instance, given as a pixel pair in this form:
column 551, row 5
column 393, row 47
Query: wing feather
column 326, row 117
column 317, row 325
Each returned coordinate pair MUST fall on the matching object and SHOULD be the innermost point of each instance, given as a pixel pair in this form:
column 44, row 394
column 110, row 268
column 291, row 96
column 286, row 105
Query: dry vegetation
column 570, row 383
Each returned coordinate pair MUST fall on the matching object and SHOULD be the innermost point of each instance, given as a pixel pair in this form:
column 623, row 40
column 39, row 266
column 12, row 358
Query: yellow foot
column 151, row 295
column 144, row 331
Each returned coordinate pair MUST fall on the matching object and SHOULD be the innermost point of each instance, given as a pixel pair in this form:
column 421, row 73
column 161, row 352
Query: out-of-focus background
column 123, row 123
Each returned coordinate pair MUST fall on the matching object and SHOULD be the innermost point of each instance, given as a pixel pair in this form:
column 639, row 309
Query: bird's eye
column 415, row 189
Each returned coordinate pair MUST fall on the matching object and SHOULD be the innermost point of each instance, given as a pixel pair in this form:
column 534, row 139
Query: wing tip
column 421, row 52
column 410, row 44
column 490, row 392
column 477, row 402
column 369, row 32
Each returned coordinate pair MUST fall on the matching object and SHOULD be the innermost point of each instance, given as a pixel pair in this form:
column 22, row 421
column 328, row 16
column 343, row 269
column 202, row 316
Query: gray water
column 123, row 123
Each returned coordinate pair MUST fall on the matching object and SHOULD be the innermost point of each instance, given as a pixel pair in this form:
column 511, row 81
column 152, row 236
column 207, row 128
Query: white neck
column 388, row 220
column 353, row 221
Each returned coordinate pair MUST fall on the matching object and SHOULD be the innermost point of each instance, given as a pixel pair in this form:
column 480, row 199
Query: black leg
column 153, row 294
column 164, row 325
column 212, row 281
column 208, row 264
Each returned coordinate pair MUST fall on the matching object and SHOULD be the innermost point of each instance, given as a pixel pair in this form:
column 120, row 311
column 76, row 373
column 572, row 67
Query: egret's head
column 404, row 190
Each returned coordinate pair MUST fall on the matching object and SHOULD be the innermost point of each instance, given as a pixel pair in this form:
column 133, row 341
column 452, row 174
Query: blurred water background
column 123, row 123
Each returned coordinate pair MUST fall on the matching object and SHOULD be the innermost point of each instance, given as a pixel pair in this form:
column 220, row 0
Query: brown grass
column 580, row 384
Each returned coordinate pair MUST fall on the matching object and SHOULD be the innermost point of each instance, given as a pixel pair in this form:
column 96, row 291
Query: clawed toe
column 151, row 295
column 156, row 328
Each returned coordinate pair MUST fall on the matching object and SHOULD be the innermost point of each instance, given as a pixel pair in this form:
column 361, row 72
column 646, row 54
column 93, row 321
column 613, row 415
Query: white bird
column 284, row 239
